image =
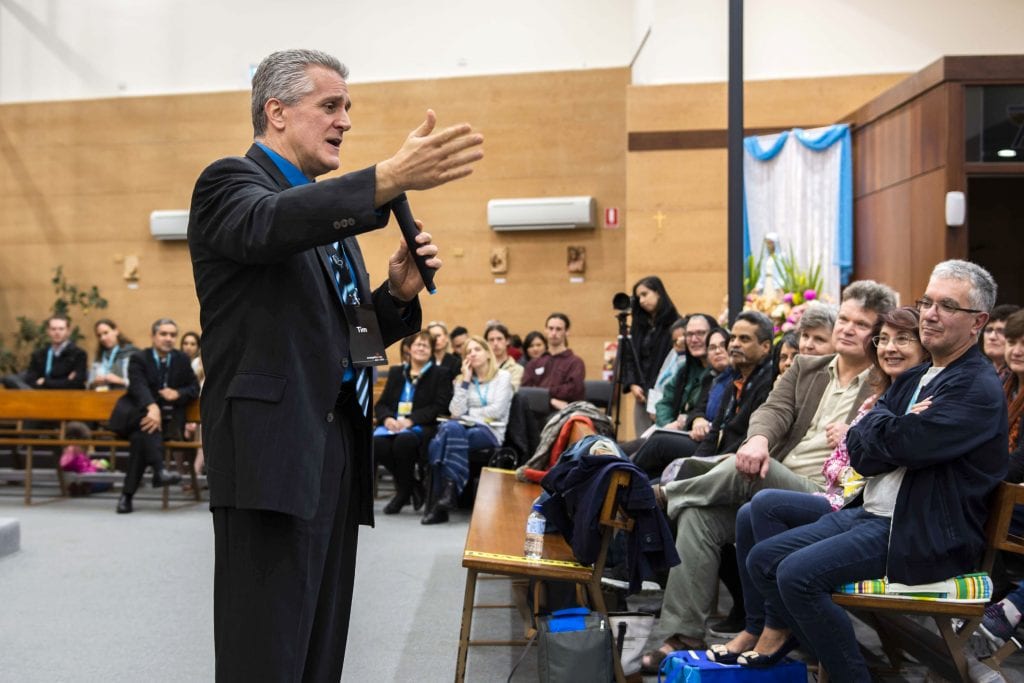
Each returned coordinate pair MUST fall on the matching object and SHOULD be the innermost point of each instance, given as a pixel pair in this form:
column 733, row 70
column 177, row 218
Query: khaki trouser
column 704, row 508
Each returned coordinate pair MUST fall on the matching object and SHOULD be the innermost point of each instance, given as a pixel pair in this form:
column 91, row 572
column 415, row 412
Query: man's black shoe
column 165, row 478
column 124, row 504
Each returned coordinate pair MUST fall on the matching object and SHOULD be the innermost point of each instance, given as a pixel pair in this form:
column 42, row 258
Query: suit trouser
column 705, row 509
column 145, row 450
column 283, row 585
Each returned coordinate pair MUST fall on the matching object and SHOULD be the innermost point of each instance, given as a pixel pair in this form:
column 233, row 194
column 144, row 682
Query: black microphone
column 400, row 207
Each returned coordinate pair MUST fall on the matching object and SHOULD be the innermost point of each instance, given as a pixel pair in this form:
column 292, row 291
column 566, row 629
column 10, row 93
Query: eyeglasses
column 901, row 340
column 716, row 347
column 946, row 306
column 697, row 335
column 998, row 331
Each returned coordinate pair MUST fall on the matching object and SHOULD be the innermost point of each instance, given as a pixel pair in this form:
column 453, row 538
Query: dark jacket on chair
column 578, row 486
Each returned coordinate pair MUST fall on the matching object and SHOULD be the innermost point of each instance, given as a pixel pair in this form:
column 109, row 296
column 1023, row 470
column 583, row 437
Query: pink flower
column 810, row 295
column 788, row 298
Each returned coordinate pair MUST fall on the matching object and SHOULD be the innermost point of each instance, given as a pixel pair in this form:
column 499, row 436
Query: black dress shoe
column 165, row 478
column 124, row 504
column 395, row 505
column 436, row 516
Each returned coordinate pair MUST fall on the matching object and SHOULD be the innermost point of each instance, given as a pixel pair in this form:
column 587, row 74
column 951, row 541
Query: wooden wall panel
column 79, row 179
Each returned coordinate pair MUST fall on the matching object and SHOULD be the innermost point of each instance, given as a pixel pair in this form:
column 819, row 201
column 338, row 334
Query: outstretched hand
column 427, row 159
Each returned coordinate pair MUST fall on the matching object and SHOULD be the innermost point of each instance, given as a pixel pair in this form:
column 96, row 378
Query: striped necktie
column 348, row 290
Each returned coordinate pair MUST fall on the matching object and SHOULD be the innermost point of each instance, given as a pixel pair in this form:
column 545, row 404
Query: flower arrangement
column 786, row 300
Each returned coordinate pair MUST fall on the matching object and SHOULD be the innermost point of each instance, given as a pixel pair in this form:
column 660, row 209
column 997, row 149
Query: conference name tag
column 404, row 408
column 366, row 347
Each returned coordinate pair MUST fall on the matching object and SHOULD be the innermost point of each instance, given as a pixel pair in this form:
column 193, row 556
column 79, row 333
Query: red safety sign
column 611, row 217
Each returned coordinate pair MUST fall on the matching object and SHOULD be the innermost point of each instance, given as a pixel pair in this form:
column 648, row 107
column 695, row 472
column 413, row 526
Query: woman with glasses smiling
column 766, row 638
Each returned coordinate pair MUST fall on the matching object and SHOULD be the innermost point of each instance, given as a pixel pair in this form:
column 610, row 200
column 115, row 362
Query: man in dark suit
column 160, row 383
column 290, row 330
column 61, row 365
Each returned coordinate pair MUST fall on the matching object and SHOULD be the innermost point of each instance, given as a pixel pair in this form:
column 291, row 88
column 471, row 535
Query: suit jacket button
column 344, row 362
column 338, row 225
column 350, row 222
column 330, row 417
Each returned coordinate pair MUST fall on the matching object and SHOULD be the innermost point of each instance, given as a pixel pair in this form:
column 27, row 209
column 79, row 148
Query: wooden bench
column 63, row 406
column 494, row 545
column 942, row 653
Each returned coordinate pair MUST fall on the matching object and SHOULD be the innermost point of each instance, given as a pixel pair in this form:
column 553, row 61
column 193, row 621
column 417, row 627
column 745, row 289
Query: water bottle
column 534, row 546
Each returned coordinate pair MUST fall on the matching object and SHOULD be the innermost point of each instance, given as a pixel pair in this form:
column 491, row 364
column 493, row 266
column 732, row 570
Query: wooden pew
column 943, row 653
column 494, row 545
column 63, row 406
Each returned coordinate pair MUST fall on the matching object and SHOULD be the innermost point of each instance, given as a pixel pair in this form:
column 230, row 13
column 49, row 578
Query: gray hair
column 983, row 287
column 282, row 76
column 818, row 314
column 871, row 295
column 163, row 321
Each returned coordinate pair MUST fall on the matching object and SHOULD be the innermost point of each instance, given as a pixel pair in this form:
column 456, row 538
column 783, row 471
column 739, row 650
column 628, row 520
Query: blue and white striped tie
column 349, row 293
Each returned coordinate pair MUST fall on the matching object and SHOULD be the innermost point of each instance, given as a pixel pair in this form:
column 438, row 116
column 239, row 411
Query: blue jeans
column 798, row 569
column 769, row 513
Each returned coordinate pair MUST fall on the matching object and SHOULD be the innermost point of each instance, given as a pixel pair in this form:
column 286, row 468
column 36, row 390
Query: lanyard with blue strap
column 482, row 394
column 107, row 361
column 49, row 361
column 163, row 368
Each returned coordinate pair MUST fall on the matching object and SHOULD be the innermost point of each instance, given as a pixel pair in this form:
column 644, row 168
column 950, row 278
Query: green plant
column 752, row 272
column 793, row 278
column 31, row 334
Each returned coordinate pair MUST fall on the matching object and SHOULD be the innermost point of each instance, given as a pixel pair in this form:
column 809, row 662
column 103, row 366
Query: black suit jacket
column 71, row 359
column 275, row 336
column 144, row 384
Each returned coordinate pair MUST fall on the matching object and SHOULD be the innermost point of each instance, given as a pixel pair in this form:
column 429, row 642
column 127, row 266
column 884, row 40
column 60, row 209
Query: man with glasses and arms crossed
column 929, row 473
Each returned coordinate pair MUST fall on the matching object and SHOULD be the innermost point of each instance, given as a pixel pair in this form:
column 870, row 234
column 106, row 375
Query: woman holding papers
column 415, row 394
column 479, row 413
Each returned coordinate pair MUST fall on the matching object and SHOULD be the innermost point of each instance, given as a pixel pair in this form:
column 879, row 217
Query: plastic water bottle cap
column 538, row 507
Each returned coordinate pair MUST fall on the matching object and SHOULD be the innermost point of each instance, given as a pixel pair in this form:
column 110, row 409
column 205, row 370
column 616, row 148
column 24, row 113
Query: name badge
column 366, row 347
column 539, row 371
column 404, row 408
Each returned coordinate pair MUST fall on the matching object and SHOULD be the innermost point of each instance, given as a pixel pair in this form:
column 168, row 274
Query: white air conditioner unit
column 169, row 225
column 541, row 213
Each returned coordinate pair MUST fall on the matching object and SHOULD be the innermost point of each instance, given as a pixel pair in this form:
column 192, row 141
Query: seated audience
column 190, row 347
column 76, row 460
column 113, row 350
column 515, row 348
column 673, row 360
column 787, row 440
column 497, row 338
column 653, row 315
column 929, row 474
column 479, row 414
column 1002, row 618
column 459, row 337
column 815, row 329
column 534, row 346
column 61, row 365
column 160, row 384
column 415, row 395
column 678, row 438
column 442, row 349
column 1014, row 353
column 559, row 370
column 993, row 342
column 895, row 349
column 676, row 409
column 785, row 350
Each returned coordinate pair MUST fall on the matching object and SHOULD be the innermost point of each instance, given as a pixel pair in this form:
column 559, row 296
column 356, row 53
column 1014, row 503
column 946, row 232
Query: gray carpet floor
column 95, row 596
